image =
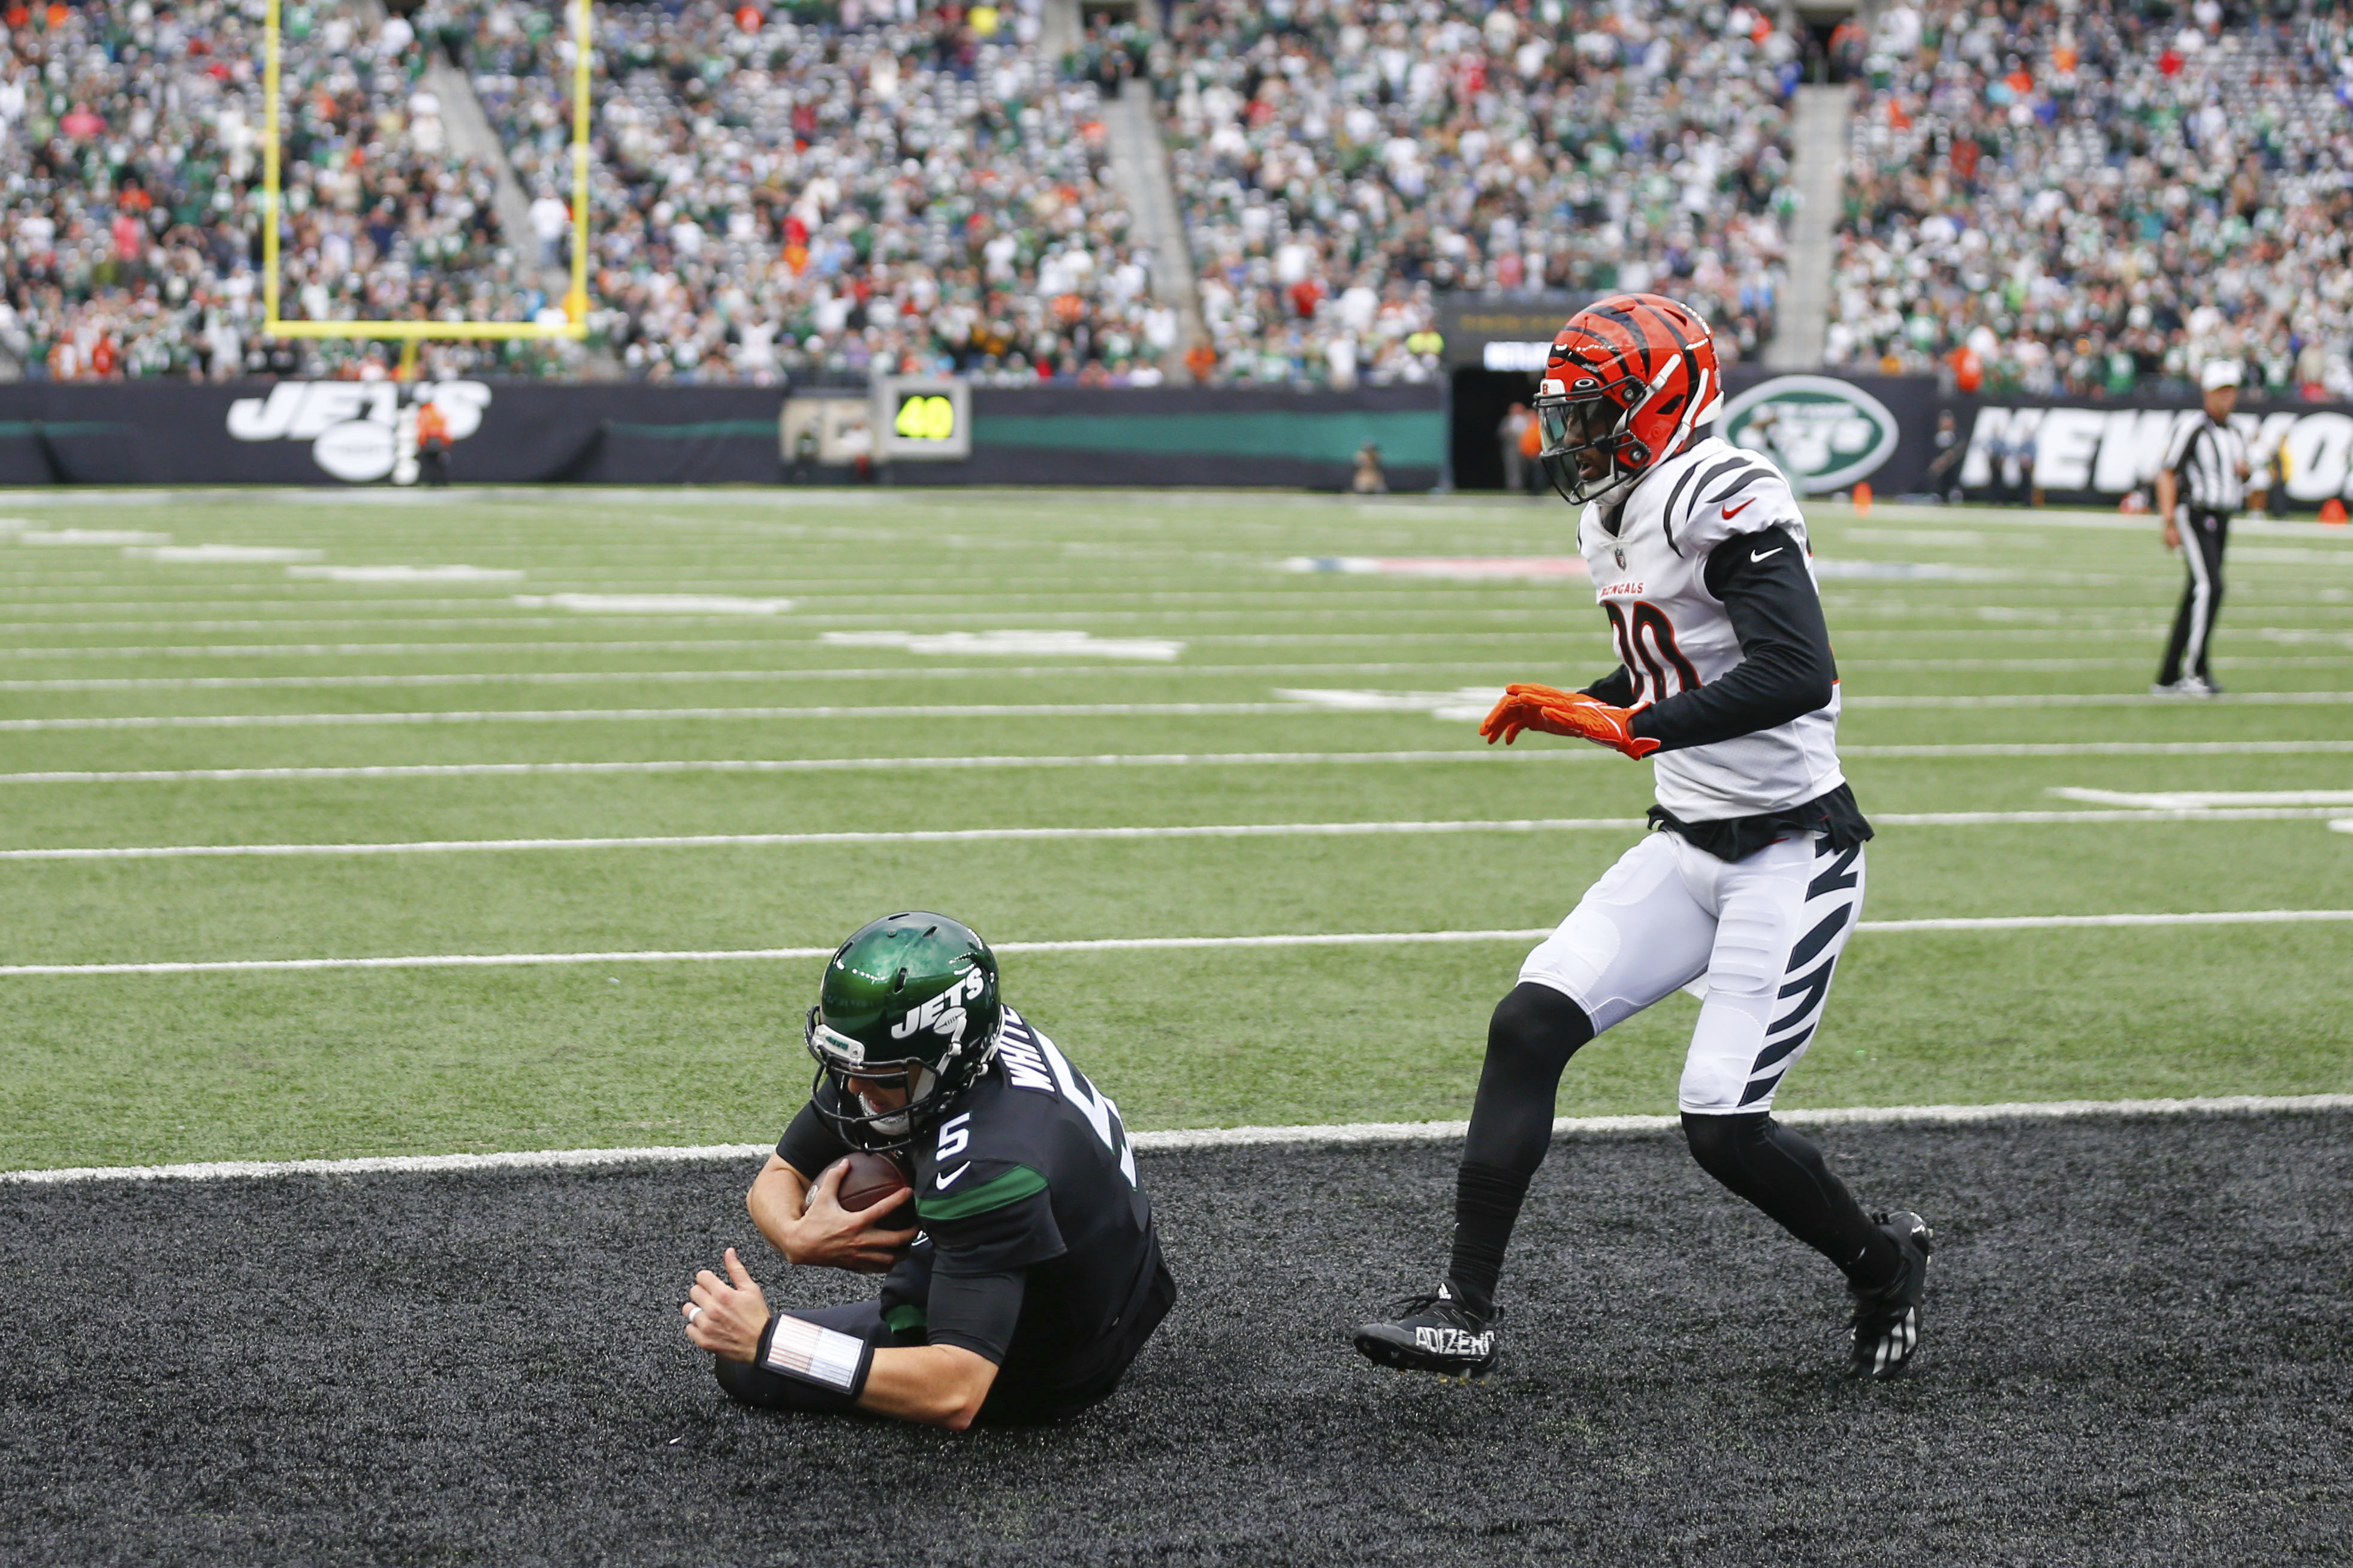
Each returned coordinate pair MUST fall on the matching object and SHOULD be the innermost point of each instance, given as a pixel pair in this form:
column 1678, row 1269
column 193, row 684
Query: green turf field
column 1297, row 697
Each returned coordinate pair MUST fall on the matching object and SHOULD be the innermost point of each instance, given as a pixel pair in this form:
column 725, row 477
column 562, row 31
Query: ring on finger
column 693, row 1313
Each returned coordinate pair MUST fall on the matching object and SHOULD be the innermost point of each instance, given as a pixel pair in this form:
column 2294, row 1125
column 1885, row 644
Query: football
column 870, row 1179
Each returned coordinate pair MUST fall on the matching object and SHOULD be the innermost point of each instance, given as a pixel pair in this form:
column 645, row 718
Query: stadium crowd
column 130, row 149
column 889, row 188
column 2088, row 198
column 2079, row 199
column 1342, row 161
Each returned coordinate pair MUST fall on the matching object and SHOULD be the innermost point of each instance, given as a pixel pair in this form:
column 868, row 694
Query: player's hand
column 727, row 1316
column 2172, row 535
column 827, row 1236
column 1570, row 713
column 1523, row 707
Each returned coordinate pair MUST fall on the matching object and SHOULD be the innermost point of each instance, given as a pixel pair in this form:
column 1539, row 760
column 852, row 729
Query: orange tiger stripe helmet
column 1631, row 382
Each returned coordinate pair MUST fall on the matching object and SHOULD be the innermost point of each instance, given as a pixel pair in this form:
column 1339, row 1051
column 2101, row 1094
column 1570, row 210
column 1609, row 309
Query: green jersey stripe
column 993, row 1193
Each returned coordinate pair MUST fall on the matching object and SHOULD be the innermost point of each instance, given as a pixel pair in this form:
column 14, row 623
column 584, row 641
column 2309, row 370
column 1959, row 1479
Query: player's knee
column 739, row 1379
column 1721, row 1143
column 1537, row 1025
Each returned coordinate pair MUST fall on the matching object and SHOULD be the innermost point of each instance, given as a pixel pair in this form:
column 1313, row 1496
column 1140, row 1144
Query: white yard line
column 1543, row 637
column 919, row 836
column 908, row 673
column 624, row 715
column 1955, row 752
column 1037, row 709
column 1071, row 835
column 2099, row 749
column 1183, row 1138
column 2097, row 700
column 2201, row 800
column 824, row 764
column 415, row 649
column 1548, row 627
column 2269, row 661
column 1130, row 944
column 1469, row 703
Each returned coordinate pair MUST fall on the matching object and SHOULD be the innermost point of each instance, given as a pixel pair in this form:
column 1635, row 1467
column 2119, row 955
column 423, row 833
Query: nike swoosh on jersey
column 1762, row 554
column 946, row 1178
column 1744, row 506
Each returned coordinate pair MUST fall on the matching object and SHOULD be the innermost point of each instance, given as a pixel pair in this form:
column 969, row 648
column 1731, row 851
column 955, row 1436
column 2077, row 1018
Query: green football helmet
column 909, row 1001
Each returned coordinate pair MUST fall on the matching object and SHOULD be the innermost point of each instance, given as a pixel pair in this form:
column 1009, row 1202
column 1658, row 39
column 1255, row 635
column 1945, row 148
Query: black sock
column 1533, row 1034
column 1487, row 1200
column 1783, row 1174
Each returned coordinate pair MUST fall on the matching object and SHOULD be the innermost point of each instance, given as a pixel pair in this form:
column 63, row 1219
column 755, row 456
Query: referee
column 2202, row 483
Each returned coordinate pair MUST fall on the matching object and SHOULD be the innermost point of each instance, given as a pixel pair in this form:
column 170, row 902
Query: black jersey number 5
column 1646, row 646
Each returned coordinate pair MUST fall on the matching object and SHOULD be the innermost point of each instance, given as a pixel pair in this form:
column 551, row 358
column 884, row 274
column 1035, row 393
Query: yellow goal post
column 576, row 303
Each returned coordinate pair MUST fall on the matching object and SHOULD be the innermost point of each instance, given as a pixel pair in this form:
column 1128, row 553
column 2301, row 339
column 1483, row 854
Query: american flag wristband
column 835, row 1362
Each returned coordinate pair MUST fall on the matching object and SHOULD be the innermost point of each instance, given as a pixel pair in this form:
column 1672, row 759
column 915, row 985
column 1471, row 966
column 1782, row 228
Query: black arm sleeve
column 1785, row 668
column 976, row 1312
column 1616, row 688
column 811, row 1143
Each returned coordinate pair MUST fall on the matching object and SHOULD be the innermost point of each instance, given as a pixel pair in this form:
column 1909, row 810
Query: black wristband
column 821, row 1357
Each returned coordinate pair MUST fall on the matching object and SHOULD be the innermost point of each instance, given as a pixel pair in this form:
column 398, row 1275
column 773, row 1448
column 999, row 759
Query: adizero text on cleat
column 1439, row 1332
column 1886, row 1320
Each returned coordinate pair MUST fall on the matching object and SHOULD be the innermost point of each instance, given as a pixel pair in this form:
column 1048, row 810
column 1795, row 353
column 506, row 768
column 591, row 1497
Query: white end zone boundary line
column 1194, row 1138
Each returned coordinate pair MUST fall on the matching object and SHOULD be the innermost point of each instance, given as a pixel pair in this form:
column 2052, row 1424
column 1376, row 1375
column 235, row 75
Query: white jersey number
column 1091, row 1103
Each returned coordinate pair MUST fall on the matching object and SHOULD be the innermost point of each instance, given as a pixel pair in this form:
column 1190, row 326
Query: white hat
column 2218, row 373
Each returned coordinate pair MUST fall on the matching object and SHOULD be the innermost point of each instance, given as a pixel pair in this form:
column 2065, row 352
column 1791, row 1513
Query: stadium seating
column 2080, row 202
column 774, row 197
column 2089, row 200
column 132, row 153
column 1340, row 163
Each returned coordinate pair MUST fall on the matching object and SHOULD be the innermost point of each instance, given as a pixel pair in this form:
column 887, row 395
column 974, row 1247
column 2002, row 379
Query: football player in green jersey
column 1036, row 1276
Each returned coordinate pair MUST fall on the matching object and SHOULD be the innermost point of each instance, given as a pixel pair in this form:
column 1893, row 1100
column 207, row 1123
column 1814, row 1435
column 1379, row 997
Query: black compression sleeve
column 1784, row 1174
column 809, row 1145
column 976, row 1312
column 1785, row 668
column 1534, row 1031
column 1616, row 688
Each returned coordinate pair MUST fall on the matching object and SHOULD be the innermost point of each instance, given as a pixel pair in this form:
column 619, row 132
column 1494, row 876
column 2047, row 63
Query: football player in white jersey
column 1753, row 880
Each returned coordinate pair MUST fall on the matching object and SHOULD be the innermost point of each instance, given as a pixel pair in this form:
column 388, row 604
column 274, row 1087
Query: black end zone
column 2139, row 1348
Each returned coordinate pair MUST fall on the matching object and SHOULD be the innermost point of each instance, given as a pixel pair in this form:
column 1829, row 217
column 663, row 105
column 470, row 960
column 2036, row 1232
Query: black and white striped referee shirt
column 2205, row 459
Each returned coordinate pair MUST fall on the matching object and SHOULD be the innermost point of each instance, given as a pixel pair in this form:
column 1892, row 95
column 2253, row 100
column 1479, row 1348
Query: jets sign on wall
column 359, row 431
column 2108, row 451
column 1824, row 434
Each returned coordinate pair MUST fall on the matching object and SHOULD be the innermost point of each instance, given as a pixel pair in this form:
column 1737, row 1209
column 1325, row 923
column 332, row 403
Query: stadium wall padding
column 265, row 432
column 310, row 433
column 2080, row 452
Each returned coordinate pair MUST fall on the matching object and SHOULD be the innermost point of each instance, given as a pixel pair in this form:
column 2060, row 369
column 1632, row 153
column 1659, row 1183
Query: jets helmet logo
column 944, row 1014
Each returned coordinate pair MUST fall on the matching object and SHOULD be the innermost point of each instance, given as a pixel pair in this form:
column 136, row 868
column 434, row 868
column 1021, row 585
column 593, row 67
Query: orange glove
column 1571, row 713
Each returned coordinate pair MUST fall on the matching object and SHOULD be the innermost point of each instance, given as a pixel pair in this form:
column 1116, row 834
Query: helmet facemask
column 931, row 1086
column 1592, row 424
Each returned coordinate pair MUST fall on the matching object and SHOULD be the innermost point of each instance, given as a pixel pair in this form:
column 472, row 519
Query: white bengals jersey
column 1672, row 635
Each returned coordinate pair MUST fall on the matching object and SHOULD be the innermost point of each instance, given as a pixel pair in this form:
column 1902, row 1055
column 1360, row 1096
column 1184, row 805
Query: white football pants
column 1765, row 932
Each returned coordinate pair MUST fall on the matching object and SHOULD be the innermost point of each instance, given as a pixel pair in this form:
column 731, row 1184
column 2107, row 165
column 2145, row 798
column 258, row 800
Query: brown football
column 870, row 1179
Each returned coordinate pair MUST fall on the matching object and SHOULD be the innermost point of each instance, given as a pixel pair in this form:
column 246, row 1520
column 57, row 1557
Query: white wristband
column 799, row 1348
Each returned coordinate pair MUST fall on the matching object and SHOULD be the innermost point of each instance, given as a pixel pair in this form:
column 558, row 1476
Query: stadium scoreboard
column 922, row 418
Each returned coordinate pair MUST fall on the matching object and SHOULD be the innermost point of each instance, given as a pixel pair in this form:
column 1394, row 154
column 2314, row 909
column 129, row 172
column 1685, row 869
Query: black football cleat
column 1886, row 1320
column 1439, row 1332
